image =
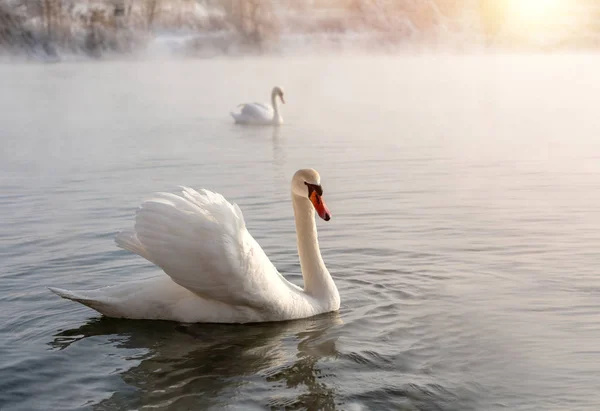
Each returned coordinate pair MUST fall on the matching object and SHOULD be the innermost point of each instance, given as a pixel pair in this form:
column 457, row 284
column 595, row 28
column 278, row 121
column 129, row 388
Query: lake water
column 465, row 193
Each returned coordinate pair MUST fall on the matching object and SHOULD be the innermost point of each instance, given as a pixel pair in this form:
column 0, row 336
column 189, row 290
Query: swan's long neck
column 317, row 280
column 275, row 104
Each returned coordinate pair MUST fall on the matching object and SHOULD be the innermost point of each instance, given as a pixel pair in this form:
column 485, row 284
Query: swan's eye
column 314, row 188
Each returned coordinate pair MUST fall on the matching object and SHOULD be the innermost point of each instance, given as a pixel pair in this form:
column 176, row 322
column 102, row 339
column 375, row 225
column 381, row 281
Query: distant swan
column 216, row 271
column 258, row 113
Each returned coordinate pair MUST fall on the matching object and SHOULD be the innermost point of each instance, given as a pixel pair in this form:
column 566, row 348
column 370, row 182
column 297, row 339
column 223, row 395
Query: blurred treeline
column 95, row 27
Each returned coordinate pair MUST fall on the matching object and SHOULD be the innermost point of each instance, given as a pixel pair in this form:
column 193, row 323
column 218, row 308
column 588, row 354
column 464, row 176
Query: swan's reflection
column 279, row 158
column 261, row 135
column 206, row 365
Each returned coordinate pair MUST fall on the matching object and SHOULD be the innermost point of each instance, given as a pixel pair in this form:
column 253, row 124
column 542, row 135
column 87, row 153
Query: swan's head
column 306, row 183
column 277, row 92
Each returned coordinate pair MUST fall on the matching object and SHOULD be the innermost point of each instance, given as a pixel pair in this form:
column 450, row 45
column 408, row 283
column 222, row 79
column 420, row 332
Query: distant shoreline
column 52, row 30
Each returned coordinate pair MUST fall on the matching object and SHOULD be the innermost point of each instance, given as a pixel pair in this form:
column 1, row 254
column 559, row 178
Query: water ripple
column 464, row 238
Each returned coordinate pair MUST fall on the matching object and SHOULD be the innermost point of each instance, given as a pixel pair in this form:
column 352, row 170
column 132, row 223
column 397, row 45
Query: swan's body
column 259, row 113
column 216, row 271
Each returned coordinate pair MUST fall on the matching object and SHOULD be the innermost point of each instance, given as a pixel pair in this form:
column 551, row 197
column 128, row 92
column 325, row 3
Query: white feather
column 254, row 113
column 200, row 240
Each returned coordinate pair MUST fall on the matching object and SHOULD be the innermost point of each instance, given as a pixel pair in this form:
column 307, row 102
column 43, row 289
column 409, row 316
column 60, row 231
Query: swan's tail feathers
column 69, row 295
column 73, row 296
column 129, row 241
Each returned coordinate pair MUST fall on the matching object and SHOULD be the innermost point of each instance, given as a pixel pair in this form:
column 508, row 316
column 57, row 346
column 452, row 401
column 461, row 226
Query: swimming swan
column 215, row 270
column 258, row 113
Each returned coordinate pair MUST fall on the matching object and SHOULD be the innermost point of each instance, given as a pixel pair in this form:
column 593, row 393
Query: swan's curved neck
column 275, row 104
column 317, row 280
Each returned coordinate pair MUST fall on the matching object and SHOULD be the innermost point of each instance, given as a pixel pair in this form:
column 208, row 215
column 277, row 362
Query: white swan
column 258, row 113
column 216, row 271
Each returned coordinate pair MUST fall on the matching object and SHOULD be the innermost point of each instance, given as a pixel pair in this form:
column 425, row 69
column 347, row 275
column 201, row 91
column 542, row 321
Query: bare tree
column 151, row 12
column 254, row 20
column 13, row 33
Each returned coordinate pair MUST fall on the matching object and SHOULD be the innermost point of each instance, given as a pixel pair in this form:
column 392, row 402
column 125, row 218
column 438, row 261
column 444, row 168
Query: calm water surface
column 464, row 241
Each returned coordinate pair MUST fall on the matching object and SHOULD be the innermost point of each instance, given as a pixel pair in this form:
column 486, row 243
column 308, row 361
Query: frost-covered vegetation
column 104, row 27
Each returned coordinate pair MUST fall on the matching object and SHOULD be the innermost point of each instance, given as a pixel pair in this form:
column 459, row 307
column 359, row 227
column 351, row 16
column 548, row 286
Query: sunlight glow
column 542, row 21
column 536, row 12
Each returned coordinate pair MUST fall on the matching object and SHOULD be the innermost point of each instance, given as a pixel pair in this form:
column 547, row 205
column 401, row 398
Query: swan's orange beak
column 282, row 99
column 320, row 206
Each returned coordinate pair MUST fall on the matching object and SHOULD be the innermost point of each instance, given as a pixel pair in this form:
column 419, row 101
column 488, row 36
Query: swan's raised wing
column 200, row 240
